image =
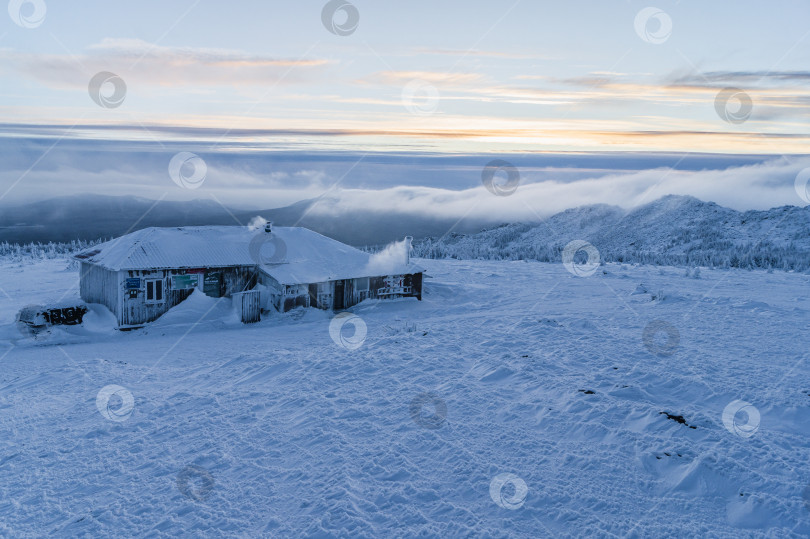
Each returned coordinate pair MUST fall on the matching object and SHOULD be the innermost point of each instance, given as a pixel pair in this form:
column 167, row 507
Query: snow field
column 276, row 429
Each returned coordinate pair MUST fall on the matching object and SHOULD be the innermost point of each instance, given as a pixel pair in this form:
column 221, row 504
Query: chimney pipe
column 408, row 241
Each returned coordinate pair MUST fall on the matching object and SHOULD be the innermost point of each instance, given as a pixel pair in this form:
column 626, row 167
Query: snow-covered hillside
column 516, row 400
column 674, row 230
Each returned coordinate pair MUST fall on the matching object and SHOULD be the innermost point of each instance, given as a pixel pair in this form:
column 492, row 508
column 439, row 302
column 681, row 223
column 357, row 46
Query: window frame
column 359, row 280
column 154, row 285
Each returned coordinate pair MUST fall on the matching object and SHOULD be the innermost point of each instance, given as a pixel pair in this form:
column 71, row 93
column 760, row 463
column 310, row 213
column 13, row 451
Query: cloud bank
column 425, row 185
column 761, row 186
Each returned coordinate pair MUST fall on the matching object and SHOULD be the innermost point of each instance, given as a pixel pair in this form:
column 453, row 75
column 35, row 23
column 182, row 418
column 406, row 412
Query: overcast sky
column 286, row 100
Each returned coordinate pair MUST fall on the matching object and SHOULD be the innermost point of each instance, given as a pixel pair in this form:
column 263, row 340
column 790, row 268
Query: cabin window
column 154, row 291
column 361, row 284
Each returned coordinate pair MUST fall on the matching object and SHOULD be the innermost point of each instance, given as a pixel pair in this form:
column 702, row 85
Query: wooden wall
column 99, row 285
column 248, row 306
column 327, row 295
column 136, row 311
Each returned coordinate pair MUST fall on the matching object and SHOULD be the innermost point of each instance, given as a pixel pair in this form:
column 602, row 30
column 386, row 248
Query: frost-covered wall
column 341, row 293
column 100, row 285
column 137, row 309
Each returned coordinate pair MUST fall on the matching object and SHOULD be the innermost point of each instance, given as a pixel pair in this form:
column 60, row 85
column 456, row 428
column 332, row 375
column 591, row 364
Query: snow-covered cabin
column 142, row 275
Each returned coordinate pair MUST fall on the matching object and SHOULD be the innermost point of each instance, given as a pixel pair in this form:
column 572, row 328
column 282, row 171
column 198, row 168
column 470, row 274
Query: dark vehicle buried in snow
column 34, row 319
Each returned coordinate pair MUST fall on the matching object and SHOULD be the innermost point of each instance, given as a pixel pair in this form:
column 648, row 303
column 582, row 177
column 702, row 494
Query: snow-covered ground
column 278, row 429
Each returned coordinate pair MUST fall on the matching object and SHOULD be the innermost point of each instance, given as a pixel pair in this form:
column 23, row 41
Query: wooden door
column 313, row 295
column 340, row 286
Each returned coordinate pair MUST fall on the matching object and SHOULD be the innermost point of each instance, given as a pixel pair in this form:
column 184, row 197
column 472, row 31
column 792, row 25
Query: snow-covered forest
column 495, row 245
column 673, row 231
column 42, row 251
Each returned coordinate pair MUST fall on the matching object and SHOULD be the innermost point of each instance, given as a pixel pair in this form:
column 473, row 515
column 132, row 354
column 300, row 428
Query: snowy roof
column 291, row 255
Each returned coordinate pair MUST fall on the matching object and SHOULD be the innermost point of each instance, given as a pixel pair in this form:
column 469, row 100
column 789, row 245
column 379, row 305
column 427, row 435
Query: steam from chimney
column 257, row 223
column 391, row 258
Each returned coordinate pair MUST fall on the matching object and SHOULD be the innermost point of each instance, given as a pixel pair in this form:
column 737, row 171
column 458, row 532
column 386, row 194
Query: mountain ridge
column 673, row 230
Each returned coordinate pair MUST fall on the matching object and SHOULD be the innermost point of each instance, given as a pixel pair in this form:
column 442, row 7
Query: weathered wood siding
column 248, row 306
column 238, row 279
column 321, row 295
column 137, row 311
column 396, row 286
column 296, row 295
column 328, row 295
column 275, row 291
column 99, row 285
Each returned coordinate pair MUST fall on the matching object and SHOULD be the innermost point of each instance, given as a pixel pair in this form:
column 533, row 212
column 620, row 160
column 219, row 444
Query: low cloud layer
column 429, row 186
column 761, row 186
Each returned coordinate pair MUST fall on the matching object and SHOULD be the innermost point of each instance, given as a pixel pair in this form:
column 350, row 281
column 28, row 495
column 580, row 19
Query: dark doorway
column 313, row 295
column 339, row 288
column 416, row 284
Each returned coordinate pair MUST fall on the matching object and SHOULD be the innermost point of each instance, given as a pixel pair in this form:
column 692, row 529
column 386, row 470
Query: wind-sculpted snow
column 671, row 231
column 515, row 400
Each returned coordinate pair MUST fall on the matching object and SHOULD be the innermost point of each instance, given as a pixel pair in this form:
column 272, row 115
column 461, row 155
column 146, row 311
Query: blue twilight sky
column 417, row 95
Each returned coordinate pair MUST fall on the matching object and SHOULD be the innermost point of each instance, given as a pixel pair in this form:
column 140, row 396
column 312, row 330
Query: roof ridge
column 137, row 241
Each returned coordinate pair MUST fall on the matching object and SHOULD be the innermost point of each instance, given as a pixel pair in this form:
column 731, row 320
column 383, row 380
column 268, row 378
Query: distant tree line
column 713, row 253
column 507, row 243
column 43, row 251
